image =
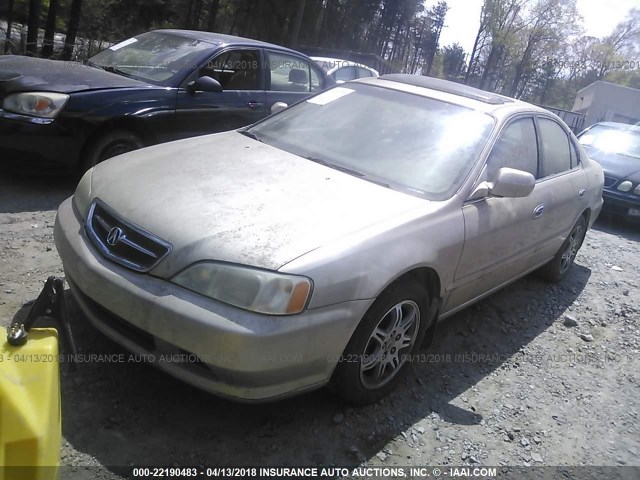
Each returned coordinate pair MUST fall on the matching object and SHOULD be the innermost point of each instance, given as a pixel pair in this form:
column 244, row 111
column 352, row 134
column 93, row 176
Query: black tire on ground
column 378, row 352
column 109, row 144
column 559, row 266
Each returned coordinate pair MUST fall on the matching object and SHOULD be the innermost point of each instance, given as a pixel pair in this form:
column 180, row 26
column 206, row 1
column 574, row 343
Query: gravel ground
column 535, row 375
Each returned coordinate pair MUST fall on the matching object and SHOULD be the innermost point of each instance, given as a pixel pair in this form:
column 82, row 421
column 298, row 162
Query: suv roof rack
column 448, row 87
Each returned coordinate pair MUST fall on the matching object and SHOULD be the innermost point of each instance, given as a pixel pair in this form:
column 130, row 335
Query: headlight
column 625, row 186
column 82, row 195
column 36, row 104
column 249, row 288
column 637, row 189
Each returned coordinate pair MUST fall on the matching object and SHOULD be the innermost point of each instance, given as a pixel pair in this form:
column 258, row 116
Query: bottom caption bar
column 347, row 472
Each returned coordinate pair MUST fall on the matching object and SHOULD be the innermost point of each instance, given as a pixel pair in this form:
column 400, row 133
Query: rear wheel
column 376, row 356
column 110, row 144
column 557, row 269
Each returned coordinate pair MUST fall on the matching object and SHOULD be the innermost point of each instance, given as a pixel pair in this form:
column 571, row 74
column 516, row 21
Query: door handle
column 538, row 211
column 254, row 105
column 581, row 192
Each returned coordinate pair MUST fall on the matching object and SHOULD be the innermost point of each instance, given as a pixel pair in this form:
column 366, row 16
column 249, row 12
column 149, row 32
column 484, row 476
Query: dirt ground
column 508, row 382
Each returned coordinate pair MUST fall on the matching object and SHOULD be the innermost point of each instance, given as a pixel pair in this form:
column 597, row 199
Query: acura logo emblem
column 115, row 235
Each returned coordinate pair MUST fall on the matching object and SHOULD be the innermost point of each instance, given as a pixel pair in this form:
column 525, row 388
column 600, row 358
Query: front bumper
column 619, row 203
column 241, row 355
column 36, row 145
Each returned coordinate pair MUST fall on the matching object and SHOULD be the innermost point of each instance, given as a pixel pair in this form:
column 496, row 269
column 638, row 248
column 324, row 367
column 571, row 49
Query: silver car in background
column 344, row 70
column 322, row 244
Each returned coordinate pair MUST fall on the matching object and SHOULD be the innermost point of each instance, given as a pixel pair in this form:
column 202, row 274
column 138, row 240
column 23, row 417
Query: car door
column 500, row 233
column 241, row 102
column 562, row 184
column 290, row 78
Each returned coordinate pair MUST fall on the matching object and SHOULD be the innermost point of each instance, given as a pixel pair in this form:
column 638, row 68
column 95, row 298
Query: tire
column 376, row 356
column 559, row 266
column 109, row 144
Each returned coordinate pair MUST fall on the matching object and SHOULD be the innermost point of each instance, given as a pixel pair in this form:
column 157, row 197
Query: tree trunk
column 50, row 29
column 213, row 14
column 72, row 30
column 297, row 22
column 34, row 23
column 7, row 41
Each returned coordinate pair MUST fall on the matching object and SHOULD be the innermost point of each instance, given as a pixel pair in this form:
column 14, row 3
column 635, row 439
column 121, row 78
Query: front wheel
column 376, row 356
column 559, row 266
column 110, row 144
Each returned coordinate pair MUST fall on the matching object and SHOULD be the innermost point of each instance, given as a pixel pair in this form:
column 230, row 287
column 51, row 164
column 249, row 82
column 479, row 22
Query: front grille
column 122, row 241
column 610, row 182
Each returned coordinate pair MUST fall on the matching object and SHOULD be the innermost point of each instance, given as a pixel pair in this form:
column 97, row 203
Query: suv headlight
column 625, row 186
column 637, row 189
column 249, row 288
column 36, row 104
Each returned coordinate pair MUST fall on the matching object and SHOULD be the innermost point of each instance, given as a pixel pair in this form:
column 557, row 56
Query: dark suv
column 616, row 146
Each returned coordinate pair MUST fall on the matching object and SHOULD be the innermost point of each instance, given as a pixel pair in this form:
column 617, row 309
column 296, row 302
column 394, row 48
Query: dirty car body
column 318, row 247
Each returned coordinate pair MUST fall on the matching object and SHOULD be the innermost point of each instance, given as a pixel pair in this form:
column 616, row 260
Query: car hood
column 19, row 74
column 231, row 198
column 622, row 167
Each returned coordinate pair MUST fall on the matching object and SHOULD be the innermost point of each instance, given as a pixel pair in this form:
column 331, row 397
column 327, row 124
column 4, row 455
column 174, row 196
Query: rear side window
column 288, row 73
column 363, row 72
column 515, row 148
column 345, row 74
column 556, row 155
column 574, row 155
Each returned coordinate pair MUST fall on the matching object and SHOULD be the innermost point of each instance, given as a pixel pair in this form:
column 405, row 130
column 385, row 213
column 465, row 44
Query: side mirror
column 508, row 183
column 278, row 107
column 204, row 84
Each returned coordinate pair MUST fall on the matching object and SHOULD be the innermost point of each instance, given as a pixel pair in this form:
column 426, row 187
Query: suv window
column 516, row 147
column 288, row 73
column 235, row 70
column 556, row 156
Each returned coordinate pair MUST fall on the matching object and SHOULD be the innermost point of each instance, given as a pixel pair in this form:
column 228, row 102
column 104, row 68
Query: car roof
column 221, row 39
column 452, row 92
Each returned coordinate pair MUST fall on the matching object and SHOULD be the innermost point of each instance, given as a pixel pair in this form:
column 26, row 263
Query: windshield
column 400, row 140
column 612, row 140
column 153, row 57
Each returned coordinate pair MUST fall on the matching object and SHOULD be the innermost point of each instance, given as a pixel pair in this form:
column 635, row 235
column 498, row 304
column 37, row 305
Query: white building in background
column 608, row 102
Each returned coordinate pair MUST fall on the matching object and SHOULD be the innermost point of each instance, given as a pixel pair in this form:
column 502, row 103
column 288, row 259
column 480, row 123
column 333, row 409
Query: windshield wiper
column 251, row 135
column 112, row 69
column 337, row 167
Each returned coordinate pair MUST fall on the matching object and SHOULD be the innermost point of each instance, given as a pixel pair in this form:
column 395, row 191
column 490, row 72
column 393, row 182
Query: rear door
column 241, row 102
column 562, row 185
column 501, row 234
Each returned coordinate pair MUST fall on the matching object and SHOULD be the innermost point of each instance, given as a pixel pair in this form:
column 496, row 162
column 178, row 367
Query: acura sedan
column 616, row 147
column 318, row 246
column 159, row 86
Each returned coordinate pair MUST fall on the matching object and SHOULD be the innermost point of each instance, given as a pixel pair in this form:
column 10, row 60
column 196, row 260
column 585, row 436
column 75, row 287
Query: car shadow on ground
column 131, row 414
column 618, row 226
column 28, row 193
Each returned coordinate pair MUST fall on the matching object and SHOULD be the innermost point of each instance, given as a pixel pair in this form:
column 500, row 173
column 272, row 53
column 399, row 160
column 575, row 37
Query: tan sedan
column 320, row 245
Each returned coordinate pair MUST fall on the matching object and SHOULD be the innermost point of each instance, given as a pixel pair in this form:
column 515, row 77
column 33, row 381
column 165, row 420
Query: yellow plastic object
column 30, row 417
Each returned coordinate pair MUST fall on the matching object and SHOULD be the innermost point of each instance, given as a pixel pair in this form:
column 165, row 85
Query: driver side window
column 235, row 70
column 516, row 147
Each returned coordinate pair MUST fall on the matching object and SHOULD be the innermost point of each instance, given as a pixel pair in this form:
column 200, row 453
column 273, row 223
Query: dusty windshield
column 153, row 57
column 403, row 141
